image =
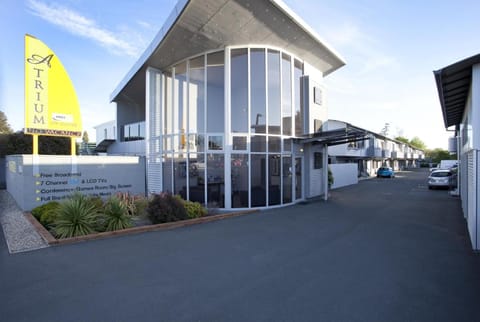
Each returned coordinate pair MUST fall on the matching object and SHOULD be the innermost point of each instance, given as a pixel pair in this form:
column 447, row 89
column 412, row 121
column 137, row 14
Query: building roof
column 198, row 26
column 453, row 85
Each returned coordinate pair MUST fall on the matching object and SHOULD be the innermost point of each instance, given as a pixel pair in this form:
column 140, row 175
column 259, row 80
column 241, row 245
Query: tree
column 4, row 126
column 437, row 155
column 19, row 143
column 85, row 137
column 402, row 139
column 418, row 143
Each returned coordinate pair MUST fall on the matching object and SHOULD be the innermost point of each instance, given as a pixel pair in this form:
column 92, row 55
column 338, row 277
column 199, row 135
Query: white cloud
column 362, row 46
column 82, row 26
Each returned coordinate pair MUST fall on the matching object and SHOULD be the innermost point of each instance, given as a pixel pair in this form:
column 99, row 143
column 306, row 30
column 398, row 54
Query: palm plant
column 116, row 215
column 76, row 216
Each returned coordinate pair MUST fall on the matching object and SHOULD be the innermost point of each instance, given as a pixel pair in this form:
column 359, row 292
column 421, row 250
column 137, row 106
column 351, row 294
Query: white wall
column 315, row 111
column 344, row 174
column 100, row 131
column 313, row 177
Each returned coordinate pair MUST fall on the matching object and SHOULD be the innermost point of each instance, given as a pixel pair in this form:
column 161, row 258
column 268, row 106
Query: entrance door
column 298, row 178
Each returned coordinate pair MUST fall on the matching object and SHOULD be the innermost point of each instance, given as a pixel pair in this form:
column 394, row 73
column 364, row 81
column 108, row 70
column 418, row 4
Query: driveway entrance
column 382, row 250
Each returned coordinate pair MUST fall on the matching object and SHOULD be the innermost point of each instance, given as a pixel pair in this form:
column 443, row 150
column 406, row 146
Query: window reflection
column 215, row 180
column 197, row 95
column 257, row 180
column 274, row 92
column 239, row 177
column 215, row 92
column 286, row 95
column 239, row 92
column 258, row 91
column 274, row 162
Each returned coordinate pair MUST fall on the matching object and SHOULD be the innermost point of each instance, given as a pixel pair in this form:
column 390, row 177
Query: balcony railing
column 134, row 131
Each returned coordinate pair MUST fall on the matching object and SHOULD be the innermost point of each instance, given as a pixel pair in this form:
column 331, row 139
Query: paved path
column 382, row 250
column 19, row 233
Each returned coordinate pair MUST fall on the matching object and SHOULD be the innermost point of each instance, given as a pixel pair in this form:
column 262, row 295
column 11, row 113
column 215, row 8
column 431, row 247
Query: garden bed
column 51, row 240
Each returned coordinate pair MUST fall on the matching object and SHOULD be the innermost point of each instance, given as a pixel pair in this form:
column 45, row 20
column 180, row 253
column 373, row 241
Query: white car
column 440, row 178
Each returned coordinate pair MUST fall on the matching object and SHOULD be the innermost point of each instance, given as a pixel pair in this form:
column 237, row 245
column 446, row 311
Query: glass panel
column 274, row 179
column 239, row 96
column 274, row 114
column 215, row 181
column 215, row 92
column 274, row 144
column 197, row 95
column 298, row 178
column 286, row 95
column 168, row 118
column 180, row 176
column 196, row 179
column 167, row 143
column 297, row 74
column 239, row 143
column 257, row 180
column 167, row 171
column 258, row 91
column 180, row 92
column 287, row 145
column 287, row 179
column 239, row 180
column 215, row 142
column 258, row 143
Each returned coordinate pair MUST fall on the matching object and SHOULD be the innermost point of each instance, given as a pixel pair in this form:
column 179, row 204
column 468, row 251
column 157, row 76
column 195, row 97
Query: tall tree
column 85, row 137
column 402, row 139
column 4, row 126
column 418, row 143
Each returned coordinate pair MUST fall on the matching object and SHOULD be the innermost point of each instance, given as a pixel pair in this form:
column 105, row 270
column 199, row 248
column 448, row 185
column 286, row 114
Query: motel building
column 458, row 88
column 227, row 104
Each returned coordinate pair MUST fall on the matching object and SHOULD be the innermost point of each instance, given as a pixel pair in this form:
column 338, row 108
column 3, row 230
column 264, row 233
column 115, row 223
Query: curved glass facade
column 228, row 121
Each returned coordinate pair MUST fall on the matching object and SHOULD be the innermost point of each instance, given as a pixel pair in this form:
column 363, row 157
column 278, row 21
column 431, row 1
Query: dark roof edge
column 439, row 77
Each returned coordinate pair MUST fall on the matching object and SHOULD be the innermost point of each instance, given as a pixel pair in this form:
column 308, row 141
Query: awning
column 336, row 137
column 453, row 85
column 103, row 145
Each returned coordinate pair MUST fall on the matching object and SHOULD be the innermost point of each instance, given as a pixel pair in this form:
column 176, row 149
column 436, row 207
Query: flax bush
column 75, row 216
column 115, row 215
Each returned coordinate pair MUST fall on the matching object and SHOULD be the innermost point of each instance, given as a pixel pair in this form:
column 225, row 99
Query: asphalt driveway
column 382, row 250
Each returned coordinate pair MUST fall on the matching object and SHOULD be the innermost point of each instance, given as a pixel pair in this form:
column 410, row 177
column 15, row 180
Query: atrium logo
column 37, row 59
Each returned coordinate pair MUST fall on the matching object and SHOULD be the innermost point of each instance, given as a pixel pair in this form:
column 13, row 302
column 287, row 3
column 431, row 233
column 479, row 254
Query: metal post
column 325, row 172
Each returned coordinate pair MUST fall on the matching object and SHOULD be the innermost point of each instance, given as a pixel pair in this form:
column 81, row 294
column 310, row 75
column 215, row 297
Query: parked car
column 385, row 172
column 440, row 178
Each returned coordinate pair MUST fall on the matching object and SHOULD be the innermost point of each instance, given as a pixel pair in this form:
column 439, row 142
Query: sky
column 391, row 49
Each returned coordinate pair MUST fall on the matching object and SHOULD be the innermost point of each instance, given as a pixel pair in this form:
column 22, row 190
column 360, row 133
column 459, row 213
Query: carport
column 330, row 138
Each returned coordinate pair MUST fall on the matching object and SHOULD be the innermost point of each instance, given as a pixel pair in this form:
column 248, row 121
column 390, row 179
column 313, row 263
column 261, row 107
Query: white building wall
column 344, row 174
column 105, row 131
column 313, row 177
column 317, row 108
column 469, row 165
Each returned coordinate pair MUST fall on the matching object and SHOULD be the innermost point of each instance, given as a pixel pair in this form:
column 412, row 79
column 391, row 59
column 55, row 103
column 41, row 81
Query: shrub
column 141, row 205
column 128, row 201
column 97, row 202
column 116, row 215
column 194, row 209
column 46, row 213
column 164, row 207
column 76, row 216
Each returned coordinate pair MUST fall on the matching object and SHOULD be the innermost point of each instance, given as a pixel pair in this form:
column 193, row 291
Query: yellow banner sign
column 51, row 105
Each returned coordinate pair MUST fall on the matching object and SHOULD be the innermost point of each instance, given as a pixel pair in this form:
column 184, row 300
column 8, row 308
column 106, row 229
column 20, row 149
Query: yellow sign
column 51, row 105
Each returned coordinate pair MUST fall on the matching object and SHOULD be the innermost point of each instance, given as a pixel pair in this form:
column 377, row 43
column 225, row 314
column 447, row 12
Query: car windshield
column 384, row 169
column 441, row 174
